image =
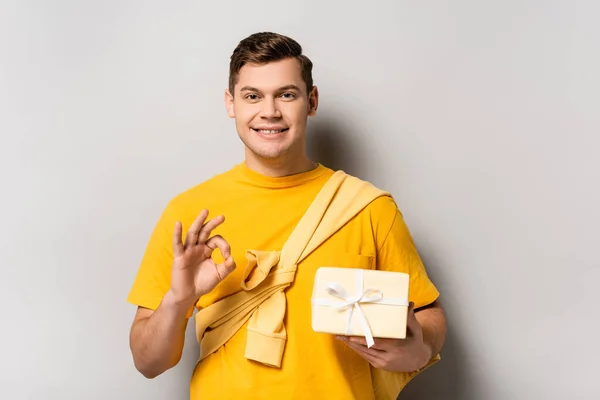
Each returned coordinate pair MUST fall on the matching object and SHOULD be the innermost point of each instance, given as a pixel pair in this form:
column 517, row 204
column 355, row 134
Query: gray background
column 482, row 118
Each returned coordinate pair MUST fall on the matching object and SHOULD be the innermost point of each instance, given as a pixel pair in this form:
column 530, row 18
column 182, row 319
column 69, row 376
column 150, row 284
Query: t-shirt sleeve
column 397, row 252
column 153, row 278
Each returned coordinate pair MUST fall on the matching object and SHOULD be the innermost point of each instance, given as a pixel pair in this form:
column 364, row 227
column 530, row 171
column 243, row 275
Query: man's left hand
column 400, row 355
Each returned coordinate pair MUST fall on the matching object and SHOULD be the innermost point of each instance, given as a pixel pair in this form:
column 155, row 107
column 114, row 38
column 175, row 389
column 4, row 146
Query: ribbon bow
column 354, row 303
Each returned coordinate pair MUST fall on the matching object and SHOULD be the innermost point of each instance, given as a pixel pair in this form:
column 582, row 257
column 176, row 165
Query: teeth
column 267, row 131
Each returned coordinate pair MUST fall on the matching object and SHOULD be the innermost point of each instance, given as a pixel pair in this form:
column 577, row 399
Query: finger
column 374, row 361
column 384, row 344
column 379, row 344
column 358, row 340
column 217, row 241
column 177, row 244
column 192, row 235
column 208, row 228
column 225, row 268
column 364, row 350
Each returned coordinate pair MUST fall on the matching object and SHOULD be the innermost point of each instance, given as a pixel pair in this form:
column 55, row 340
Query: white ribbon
column 353, row 302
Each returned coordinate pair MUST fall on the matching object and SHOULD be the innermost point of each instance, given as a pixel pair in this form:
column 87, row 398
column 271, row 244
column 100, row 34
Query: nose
column 269, row 109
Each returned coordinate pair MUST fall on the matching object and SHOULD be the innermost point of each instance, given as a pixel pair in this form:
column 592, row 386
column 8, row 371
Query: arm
column 433, row 323
column 157, row 337
column 426, row 322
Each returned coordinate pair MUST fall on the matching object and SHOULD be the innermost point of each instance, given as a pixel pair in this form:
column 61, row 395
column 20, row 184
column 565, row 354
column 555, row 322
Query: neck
column 283, row 166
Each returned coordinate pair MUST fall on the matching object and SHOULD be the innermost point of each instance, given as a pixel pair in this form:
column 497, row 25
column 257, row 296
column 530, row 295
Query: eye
column 288, row 95
column 251, row 96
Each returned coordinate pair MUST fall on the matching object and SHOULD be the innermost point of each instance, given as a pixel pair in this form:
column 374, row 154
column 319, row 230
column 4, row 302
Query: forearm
column 157, row 341
column 433, row 322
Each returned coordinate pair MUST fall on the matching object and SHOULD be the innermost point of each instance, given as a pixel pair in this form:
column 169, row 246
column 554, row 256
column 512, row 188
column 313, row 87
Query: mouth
column 269, row 131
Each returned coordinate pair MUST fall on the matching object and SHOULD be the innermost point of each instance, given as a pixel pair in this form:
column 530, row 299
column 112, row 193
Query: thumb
column 412, row 322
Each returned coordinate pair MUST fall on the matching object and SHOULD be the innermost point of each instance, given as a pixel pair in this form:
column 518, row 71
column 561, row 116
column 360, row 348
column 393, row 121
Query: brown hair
column 264, row 47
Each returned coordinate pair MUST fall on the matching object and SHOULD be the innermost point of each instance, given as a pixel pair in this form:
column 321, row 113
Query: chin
column 268, row 152
column 269, row 155
column 270, row 149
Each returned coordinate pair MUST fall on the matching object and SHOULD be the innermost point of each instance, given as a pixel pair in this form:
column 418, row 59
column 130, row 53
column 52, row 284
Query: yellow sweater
column 262, row 213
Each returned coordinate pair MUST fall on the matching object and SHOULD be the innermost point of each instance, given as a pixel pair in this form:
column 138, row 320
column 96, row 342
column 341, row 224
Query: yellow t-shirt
column 260, row 213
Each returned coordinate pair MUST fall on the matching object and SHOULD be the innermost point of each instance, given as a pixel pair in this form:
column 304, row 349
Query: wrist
column 426, row 355
column 177, row 306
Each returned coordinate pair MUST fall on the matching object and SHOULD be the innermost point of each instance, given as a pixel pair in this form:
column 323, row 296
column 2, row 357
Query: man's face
column 270, row 106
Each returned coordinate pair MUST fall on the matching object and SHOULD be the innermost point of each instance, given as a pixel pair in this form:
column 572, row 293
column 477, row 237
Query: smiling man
column 270, row 96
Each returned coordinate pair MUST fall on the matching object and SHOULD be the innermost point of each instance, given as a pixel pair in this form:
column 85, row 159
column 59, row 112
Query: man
column 270, row 96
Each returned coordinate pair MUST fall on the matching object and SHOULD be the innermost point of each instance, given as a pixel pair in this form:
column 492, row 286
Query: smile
column 270, row 131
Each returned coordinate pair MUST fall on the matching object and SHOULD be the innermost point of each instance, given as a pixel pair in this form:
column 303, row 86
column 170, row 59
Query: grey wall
column 482, row 118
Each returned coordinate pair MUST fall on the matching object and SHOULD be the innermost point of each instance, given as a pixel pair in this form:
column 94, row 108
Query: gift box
column 360, row 302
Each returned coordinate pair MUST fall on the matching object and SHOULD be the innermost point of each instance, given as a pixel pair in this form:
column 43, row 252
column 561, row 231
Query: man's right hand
column 194, row 272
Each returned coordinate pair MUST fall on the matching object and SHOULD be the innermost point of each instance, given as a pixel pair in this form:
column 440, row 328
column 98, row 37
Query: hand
column 400, row 355
column 194, row 272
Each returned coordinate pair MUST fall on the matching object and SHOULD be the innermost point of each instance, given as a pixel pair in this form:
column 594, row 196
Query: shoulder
column 383, row 213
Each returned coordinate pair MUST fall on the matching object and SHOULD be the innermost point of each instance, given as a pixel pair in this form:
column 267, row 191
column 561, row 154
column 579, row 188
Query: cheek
column 296, row 114
column 244, row 114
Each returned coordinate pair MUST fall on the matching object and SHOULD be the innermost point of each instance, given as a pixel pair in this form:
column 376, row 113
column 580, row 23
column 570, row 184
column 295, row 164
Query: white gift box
column 360, row 302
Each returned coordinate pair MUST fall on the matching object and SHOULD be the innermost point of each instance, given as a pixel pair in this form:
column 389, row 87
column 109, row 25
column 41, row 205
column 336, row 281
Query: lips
column 269, row 131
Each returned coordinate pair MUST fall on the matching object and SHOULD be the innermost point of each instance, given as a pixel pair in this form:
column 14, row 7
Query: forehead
column 271, row 76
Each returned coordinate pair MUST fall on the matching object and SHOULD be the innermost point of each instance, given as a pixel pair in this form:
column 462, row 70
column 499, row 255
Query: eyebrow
column 281, row 89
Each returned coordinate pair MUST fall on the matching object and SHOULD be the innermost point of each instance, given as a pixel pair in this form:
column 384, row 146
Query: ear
column 313, row 101
column 229, row 103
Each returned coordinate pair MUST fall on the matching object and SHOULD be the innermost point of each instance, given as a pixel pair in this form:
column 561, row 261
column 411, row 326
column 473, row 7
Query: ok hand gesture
column 194, row 272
